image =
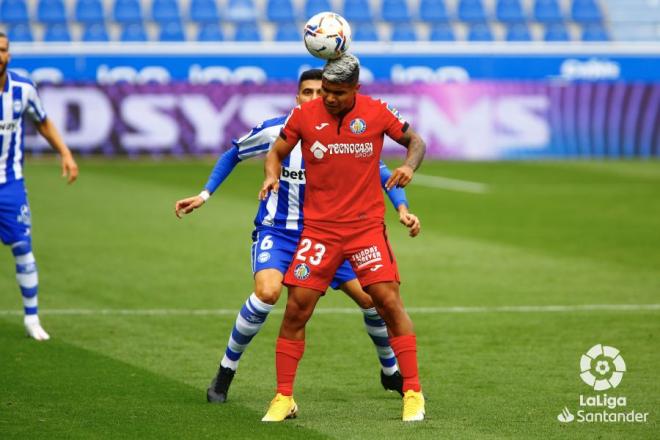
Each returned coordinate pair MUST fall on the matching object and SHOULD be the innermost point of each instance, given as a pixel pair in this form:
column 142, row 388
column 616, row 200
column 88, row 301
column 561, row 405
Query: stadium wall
column 469, row 101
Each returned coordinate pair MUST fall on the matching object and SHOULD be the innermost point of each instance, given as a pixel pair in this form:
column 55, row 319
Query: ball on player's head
column 327, row 35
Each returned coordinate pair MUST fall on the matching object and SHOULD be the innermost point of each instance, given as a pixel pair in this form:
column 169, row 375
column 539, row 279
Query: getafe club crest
column 301, row 271
column 358, row 126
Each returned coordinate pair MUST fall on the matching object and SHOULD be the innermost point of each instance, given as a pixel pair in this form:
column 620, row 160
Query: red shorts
column 324, row 247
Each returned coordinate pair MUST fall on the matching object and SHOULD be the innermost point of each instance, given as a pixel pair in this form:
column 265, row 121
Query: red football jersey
column 341, row 157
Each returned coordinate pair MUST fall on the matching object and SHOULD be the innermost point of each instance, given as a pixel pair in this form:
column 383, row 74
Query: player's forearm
column 49, row 132
column 416, row 151
column 396, row 195
column 273, row 164
column 222, row 169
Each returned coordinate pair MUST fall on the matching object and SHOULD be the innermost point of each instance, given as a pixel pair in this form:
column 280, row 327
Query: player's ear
column 357, row 87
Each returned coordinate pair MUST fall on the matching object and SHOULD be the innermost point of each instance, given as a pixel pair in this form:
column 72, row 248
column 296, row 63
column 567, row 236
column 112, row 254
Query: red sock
column 287, row 355
column 405, row 349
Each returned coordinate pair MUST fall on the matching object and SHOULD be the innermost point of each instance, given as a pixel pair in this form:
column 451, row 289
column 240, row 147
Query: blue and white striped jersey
column 281, row 210
column 19, row 97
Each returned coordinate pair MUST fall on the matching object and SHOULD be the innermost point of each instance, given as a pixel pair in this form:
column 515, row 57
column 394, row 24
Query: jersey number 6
column 306, row 244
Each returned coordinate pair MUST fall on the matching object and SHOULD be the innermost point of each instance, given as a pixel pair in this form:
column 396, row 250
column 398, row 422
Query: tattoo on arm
column 416, row 148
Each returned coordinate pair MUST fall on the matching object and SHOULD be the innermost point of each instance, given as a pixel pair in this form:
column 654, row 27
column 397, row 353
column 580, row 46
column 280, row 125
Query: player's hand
column 400, row 177
column 188, row 205
column 411, row 221
column 270, row 184
column 69, row 169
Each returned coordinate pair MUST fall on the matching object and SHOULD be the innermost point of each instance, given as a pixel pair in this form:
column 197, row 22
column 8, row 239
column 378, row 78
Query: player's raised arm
column 47, row 129
column 416, row 149
column 273, row 166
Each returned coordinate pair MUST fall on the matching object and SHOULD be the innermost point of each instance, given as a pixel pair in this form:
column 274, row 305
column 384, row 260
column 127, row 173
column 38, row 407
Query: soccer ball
column 327, row 35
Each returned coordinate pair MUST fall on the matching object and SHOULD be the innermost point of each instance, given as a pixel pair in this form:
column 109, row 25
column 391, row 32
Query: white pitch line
column 450, row 184
column 351, row 310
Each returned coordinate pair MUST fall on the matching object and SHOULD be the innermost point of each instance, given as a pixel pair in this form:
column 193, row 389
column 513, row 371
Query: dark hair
column 310, row 74
column 3, row 35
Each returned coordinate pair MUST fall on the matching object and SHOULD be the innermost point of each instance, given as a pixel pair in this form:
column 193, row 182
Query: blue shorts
column 274, row 249
column 15, row 222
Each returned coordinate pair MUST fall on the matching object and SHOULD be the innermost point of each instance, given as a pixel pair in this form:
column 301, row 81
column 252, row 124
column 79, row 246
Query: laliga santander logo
column 602, row 367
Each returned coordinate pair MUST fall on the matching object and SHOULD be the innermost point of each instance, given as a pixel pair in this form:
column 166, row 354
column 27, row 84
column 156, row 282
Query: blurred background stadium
column 539, row 200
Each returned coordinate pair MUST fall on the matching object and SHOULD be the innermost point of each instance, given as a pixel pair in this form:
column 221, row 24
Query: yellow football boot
column 281, row 407
column 413, row 406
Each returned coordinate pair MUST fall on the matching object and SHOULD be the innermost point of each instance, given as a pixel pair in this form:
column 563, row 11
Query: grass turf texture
column 567, row 233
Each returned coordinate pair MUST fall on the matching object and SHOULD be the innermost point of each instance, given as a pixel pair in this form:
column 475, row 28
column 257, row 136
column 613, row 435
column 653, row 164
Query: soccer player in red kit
column 342, row 137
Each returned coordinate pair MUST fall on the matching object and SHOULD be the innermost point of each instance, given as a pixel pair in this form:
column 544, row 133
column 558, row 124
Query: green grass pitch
column 543, row 234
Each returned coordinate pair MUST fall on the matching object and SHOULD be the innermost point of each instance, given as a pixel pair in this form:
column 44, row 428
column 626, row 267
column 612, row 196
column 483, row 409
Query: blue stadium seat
column 364, row 32
column 127, row 11
column 510, row 11
column 89, row 11
column 210, row 32
column 556, row 32
column 171, row 31
column 313, row 7
column 242, row 11
column 594, row 32
column 20, row 33
column 433, row 11
column 403, row 32
column 51, row 11
column 471, row 11
column 357, row 11
column 518, row 32
column 288, row 32
column 547, row 11
column 204, row 11
column 165, row 11
column 133, row 32
column 95, row 32
column 247, row 32
column 280, row 11
column 14, row 11
column 57, row 32
column 442, row 32
column 586, row 11
column 395, row 11
column 480, row 32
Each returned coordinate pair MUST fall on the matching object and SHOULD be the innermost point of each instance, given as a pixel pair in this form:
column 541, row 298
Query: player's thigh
column 371, row 256
column 316, row 260
column 15, row 217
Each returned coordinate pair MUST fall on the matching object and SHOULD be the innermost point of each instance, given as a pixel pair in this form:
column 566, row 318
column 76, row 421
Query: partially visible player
column 278, row 225
column 344, row 219
column 19, row 97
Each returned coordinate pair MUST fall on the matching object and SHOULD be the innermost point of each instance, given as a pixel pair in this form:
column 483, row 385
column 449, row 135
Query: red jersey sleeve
column 393, row 123
column 291, row 131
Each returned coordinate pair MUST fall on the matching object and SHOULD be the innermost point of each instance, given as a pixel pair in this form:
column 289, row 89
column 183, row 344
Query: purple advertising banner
column 475, row 120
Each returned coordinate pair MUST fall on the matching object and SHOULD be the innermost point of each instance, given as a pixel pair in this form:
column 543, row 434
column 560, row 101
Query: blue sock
column 252, row 316
column 378, row 333
column 26, row 275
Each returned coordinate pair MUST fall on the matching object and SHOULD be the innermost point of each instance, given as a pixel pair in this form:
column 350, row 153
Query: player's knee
column 268, row 294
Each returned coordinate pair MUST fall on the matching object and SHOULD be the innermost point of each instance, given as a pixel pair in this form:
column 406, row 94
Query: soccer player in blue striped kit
column 18, row 97
column 278, row 226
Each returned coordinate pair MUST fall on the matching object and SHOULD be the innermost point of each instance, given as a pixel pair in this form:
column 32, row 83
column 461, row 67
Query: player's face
column 4, row 55
column 338, row 97
column 309, row 89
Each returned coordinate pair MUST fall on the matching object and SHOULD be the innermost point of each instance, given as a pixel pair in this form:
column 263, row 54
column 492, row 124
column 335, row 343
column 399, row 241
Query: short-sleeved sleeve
column 291, row 131
column 395, row 126
column 34, row 109
column 259, row 140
